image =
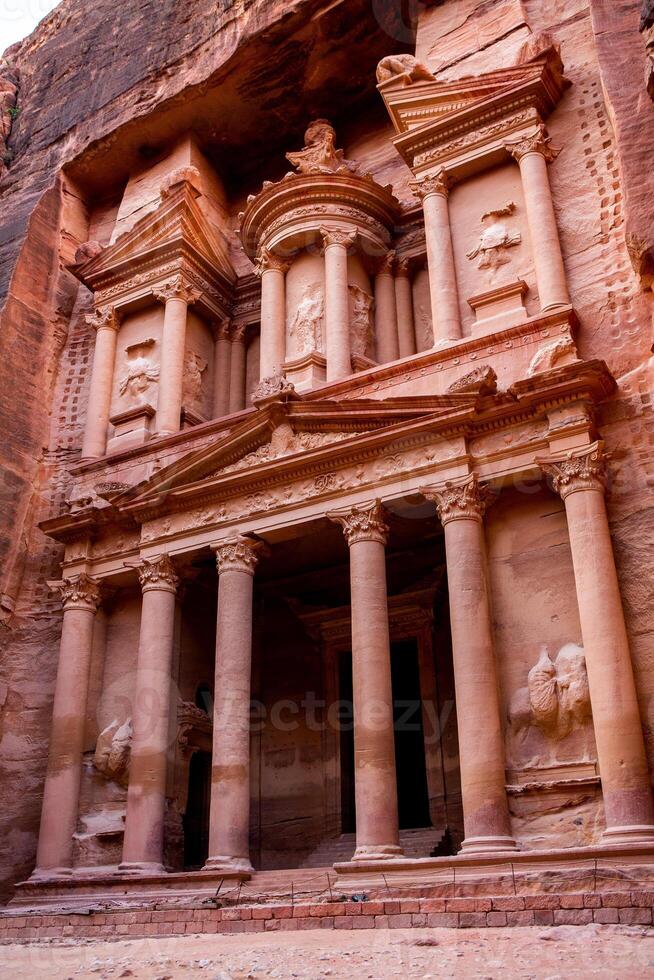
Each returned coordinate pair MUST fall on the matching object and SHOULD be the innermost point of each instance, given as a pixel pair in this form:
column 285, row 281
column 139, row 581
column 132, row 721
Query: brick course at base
column 629, row 908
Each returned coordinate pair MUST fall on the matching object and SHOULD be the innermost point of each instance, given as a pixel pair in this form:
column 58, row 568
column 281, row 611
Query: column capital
column 363, row 523
column 464, row 499
column 239, row 554
column 104, row 318
column 579, row 469
column 386, row 264
column 403, row 267
column 158, row 574
column 223, row 329
column 537, row 141
column 337, row 236
column 177, row 287
column 438, row 183
column 78, row 592
column 267, row 261
column 237, row 334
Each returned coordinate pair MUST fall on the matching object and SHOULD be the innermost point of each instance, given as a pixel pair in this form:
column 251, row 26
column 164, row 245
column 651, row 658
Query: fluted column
column 406, row 331
column 461, row 505
column 106, row 323
column 272, row 270
column 377, row 833
column 533, row 153
column 337, row 302
column 434, row 193
column 222, row 369
column 386, row 337
column 580, row 478
column 59, row 810
column 146, row 793
column 176, row 294
column 237, row 371
column 229, row 818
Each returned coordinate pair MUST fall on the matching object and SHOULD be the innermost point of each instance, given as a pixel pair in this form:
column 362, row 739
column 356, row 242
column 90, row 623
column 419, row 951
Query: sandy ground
column 563, row 952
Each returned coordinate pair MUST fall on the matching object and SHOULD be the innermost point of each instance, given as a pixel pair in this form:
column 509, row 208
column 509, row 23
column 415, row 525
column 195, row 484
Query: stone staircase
column 416, row 843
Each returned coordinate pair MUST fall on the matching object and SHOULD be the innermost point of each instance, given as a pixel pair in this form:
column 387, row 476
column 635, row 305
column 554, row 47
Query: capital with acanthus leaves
column 268, row 261
column 579, row 469
column 78, row 592
column 438, row 183
column 464, row 499
column 104, row 318
column 537, row 141
column 177, row 288
column 158, row 573
column 338, row 236
column 363, row 523
column 239, row 554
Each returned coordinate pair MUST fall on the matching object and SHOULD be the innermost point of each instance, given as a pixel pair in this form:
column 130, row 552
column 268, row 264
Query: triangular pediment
column 177, row 225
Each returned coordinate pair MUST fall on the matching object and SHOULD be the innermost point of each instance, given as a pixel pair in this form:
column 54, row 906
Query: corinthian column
column 222, row 368
column 404, row 302
column 375, row 785
column 176, row 294
column 229, row 818
column 386, row 339
column 580, row 478
column 106, row 323
column 272, row 354
column 81, row 598
column 434, row 192
column 237, row 372
column 337, row 302
column 146, row 793
column 533, row 153
column 461, row 505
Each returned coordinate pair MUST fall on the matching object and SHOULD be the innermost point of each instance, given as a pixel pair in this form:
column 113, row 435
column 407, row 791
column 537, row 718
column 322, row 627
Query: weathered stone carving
column 104, row 318
column 438, row 183
column 176, row 177
column 556, row 698
column 496, row 239
column 238, row 555
column 403, row 64
column 363, row 523
column 559, row 351
column 112, row 751
column 338, row 236
column 87, row 250
column 320, row 155
column 268, row 260
column 79, row 592
column 158, row 573
column 177, row 288
column 194, row 367
column 307, row 326
column 141, row 371
column 538, row 141
column 361, row 322
column 580, row 470
column 464, row 499
column 481, row 381
column 273, row 387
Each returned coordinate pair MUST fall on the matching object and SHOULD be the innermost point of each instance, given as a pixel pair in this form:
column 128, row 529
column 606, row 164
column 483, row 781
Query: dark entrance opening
column 196, row 818
column 410, row 764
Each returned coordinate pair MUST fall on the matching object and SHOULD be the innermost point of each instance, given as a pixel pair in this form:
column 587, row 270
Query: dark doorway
column 196, row 818
column 410, row 767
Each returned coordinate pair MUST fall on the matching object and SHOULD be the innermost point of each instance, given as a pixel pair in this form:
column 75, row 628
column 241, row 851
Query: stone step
column 418, row 842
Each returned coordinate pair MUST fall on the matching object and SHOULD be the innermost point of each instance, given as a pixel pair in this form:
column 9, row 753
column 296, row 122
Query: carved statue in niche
column 112, row 751
column 194, row 367
column 495, row 240
column 320, row 155
column 361, row 328
column 141, row 372
column 555, row 702
column 307, row 326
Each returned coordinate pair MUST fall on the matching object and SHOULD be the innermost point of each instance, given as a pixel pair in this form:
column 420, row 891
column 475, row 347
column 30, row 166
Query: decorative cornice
column 363, row 523
column 460, row 500
column 337, row 236
column 267, row 261
column 238, row 555
column 104, row 318
column 79, row 592
column 438, row 183
column 537, row 141
column 158, row 573
column 177, row 288
column 584, row 469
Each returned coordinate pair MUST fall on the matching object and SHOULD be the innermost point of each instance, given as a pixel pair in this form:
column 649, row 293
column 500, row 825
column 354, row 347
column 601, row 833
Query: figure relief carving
column 584, row 469
column 406, row 65
column 538, row 141
column 177, row 288
column 158, row 573
column 141, row 372
column 194, row 368
column 307, row 326
column 274, row 387
column 463, row 499
column 319, row 155
column 556, row 700
column 363, row 523
column 496, row 239
column 438, row 183
column 361, row 320
column 561, row 351
column 79, row 592
column 113, row 751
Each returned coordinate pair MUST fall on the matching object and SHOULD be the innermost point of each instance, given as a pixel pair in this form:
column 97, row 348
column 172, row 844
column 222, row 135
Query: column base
column 142, row 867
column 377, row 852
column 488, row 845
column 228, row 864
column 47, row 874
column 629, row 834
